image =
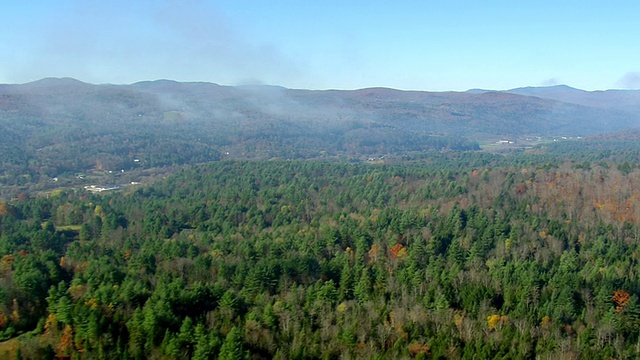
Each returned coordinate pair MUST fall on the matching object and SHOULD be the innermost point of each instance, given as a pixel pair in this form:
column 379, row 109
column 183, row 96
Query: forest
column 438, row 255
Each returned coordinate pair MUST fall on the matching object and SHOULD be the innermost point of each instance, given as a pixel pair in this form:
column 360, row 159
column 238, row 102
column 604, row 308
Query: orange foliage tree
column 416, row 349
column 3, row 320
column 66, row 341
column 396, row 251
column 373, row 253
column 621, row 299
column 5, row 209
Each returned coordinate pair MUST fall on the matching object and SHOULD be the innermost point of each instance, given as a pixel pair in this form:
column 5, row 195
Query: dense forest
column 441, row 255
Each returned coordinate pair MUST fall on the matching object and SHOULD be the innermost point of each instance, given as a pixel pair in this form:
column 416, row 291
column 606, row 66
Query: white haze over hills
column 557, row 108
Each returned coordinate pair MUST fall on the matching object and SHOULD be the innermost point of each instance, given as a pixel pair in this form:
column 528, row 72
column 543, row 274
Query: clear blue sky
column 423, row 45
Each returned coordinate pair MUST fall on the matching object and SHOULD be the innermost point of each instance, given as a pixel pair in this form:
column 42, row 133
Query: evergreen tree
column 232, row 347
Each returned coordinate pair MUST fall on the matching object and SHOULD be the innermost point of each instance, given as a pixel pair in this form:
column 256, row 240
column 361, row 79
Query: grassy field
column 8, row 349
column 31, row 346
column 68, row 228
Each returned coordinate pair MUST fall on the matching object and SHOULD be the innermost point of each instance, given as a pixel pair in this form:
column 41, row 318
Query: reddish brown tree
column 621, row 299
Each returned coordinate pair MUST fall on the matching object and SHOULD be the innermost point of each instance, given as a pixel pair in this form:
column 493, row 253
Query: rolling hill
column 62, row 125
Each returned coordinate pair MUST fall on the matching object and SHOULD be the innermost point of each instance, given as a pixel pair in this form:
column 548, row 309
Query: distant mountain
column 52, row 126
column 477, row 91
column 555, row 89
column 621, row 100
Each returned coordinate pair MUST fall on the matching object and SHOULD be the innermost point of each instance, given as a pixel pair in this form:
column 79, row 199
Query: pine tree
column 362, row 289
column 346, row 283
column 232, row 347
column 202, row 350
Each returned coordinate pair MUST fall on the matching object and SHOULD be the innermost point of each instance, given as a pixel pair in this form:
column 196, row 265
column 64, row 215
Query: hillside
column 53, row 127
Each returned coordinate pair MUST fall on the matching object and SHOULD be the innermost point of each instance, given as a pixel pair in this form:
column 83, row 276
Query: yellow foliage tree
column 5, row 263
column 493, row 321
column 92, row 303
column 50, row 324
column 545, row 322
column 15, row 313
column 99, row 211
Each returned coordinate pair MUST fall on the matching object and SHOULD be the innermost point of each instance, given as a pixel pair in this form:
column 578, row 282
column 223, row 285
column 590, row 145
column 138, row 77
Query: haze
column 422, row 45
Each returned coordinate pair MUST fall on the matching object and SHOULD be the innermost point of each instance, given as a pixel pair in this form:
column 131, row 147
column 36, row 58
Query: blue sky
column 422, row 45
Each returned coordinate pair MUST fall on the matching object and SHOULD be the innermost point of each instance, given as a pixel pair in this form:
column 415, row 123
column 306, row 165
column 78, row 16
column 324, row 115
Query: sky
column 312, row 44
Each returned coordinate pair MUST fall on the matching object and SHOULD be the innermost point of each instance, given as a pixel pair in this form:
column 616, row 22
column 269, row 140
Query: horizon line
column 474, row 89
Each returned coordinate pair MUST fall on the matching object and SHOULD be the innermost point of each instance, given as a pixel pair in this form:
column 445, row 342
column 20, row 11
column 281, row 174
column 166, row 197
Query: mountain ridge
column 476, row 104
column 65, row 79
column 59, row 125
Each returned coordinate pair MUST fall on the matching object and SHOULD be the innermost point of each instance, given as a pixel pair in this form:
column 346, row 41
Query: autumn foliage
column 50, row 324
column 3, row 320
column 621, row 299
column 397, row 251
column 416, row 349
column 66, row 341
column 373, row 253
column 5, row 209
column 495, row 320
